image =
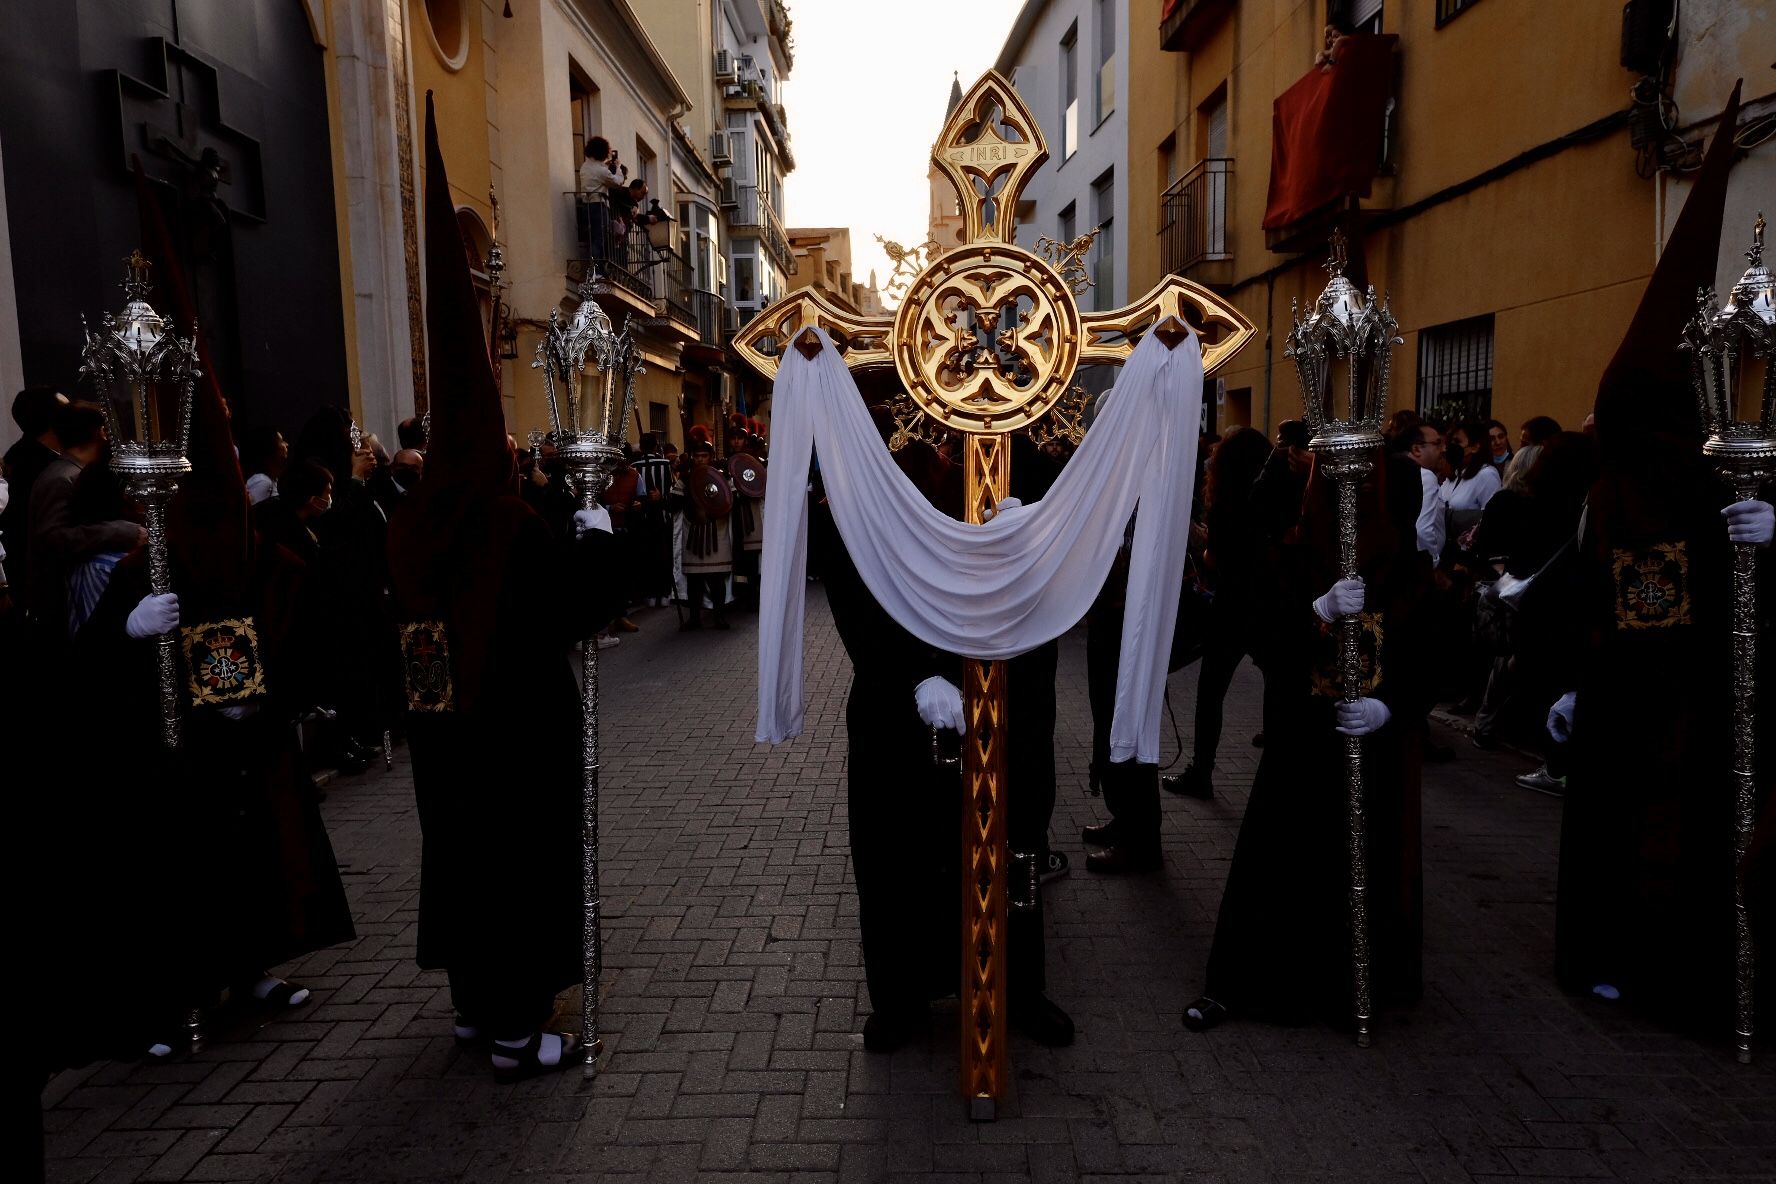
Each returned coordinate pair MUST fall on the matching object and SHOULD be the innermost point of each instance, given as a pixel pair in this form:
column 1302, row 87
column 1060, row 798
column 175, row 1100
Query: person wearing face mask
column 408, row 468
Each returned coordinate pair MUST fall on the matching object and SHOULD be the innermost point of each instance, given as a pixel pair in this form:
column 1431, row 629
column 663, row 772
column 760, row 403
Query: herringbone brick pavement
column 734, row 994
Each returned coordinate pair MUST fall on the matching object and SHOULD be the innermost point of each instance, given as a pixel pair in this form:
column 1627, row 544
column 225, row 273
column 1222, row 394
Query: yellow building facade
column 1507, row 221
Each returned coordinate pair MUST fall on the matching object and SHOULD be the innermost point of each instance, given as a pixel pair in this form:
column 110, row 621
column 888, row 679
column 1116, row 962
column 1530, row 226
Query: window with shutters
column 1354, row 16
column 1070, row 92
column 1448, row 10
column 1104, row 265
column 1106, row 78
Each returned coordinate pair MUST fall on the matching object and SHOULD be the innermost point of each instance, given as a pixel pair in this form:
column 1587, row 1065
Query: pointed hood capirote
column 210, row 531
column 1644, row 400
column 449, row 540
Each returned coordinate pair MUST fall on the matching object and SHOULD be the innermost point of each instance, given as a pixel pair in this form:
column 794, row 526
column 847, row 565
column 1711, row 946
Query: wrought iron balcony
column 754, row 213
column 1193, row 216
column 706, row 307
column 626, row 258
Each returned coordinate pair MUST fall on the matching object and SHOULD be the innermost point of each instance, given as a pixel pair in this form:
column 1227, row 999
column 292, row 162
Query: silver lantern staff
column 144, row 375
column 588, row 433
column 1724, row 344
column 1343, row 325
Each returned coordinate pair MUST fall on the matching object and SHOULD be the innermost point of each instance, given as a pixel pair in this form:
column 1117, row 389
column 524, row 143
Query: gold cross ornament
column 986, row 342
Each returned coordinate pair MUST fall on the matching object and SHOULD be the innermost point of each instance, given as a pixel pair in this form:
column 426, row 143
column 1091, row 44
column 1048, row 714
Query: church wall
column 71, row 209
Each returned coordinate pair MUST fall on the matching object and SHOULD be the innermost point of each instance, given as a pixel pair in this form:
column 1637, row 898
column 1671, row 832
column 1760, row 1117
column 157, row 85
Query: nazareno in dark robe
column 498, row 777
column 177, row 873
column 904, row 811
column 1282, row 946
column 1646, row 847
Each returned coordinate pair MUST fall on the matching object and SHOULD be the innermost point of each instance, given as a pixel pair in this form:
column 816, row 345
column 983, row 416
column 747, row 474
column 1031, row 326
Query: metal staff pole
column 144, row 375
column 1344, row 326
column 1724, row 343
column 588, row 433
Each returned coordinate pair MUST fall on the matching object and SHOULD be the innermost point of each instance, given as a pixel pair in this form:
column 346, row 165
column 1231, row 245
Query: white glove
column 154, row 616
column 586, row 521
column 239, row 711
column 1007, row 503
column 1362, row 717
column 1343, row 599
column 1560, row 717
column 1751, row 522
column 940, row 704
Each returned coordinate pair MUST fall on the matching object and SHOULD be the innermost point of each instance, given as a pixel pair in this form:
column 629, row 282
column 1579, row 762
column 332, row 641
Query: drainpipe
column 1269, row 301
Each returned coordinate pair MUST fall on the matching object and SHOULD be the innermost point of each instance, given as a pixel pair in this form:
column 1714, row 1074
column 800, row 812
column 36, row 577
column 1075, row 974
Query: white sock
column 548, row 1051
column 265, row 986
column 1605, row 991
column 465, row 1032
column 160, row 1050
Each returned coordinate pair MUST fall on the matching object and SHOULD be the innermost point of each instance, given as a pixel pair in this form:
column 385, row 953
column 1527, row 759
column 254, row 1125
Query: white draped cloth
column 999, row 588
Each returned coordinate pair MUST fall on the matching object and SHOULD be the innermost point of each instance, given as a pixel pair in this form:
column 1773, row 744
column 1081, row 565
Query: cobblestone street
column 735, row 991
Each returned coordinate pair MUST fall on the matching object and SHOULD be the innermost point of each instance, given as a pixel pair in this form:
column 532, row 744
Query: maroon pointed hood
column 210, row 531
column 467, row 440
column 1645, row 400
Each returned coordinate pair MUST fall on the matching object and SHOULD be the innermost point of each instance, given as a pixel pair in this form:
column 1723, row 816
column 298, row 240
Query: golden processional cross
column 986, row 342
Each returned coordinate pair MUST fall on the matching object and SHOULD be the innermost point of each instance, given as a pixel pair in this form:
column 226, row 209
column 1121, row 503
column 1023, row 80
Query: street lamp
column 1347, row 332
column 588, row 421
column 144, row 375
column 1726, row 348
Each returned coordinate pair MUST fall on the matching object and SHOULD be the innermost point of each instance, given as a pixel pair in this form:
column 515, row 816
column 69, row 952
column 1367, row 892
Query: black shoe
column 1258, row 740
column 1204, row 1014
column 351, row 761
column 721, row 622
column 1123, row 860
column 885, row 1031
column 1038, row 1017
column 1485, row 741
column 689, row 623
column 1193, row 782
column 1436, row 750
column 1102, row 835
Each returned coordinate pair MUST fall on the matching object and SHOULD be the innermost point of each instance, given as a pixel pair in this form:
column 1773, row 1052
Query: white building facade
column 1067, row 60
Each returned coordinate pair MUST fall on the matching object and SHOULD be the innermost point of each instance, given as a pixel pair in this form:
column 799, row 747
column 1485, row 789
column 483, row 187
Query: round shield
column 749, row 474
column 709, row 491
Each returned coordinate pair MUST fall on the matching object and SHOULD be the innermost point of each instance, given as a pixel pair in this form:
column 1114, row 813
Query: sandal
column 529, row 1058
column 1204, row 1014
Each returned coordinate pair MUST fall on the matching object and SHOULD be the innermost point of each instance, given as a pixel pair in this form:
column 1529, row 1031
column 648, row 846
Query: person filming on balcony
column 600, row 176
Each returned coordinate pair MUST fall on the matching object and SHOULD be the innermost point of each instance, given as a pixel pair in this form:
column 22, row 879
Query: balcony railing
column 706, row 309
column 755, row 211
column 626, row 258
column 1193, row 216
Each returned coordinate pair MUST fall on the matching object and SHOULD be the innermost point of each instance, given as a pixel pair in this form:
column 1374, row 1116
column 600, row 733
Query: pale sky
column 865, row 101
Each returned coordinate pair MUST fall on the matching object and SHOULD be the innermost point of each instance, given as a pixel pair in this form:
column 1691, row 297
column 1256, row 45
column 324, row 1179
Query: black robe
column 498, row 779
column 201, row 868
column 1282, row 946
column 904, row 811
column 1646, row 846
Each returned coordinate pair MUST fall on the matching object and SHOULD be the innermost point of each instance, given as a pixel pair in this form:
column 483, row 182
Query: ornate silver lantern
column 1728, row 348
column 1347, row 331
column 144, row 374
column 587, row 414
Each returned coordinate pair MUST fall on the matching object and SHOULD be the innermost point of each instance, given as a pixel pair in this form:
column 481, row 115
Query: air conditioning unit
column 730, row 194
column 724, row 66
column 719, row 152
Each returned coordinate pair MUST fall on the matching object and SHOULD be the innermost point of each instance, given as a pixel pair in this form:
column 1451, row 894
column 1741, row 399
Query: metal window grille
column 1448, row 10
column 1455, row 370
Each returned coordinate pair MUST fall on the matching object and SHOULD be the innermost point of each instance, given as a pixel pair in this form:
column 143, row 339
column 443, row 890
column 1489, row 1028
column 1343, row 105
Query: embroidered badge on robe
column 1653, row 586
column 1328, row 666
column 425, row 657
column 222, row 661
